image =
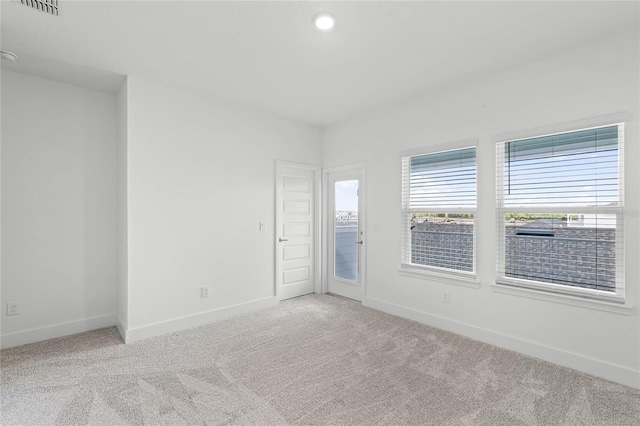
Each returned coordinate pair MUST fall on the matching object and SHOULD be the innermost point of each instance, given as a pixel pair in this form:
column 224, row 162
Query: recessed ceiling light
column 4, row 54
column 324, row 21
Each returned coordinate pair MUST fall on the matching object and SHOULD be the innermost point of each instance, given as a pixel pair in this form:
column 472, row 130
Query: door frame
column 360, row 169
column 317, row 197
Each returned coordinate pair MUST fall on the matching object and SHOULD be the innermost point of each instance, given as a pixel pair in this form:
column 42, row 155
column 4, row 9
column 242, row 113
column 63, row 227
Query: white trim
column 445, row 277
column 441, row 210
column 565, row 299
column 302, row 166
column 196, row 320
column 344, row 168
column 614, row 210
column 318, row 230
column 317, row 220
column 57, row 330
column 324, row 238
column 122, row 329
column 620, row 219
column 570, row 126
column 554, row 288
column 432, row 149
column 599, row 368
column 342, row 280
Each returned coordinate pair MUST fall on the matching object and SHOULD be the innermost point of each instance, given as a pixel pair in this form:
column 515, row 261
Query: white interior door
column 345, row 239
column 295, row 235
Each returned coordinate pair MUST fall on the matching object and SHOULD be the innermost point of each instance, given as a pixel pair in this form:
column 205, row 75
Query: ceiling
column 268, row 55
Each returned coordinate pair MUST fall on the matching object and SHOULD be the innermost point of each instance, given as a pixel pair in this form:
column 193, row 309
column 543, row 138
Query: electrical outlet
column 262, row 226
column 446, row 297
column 13, row 308
column 204, row 292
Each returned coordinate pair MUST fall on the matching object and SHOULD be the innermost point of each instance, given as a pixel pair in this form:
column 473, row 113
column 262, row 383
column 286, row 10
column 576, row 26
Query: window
column 559, row 212
column 438, row 210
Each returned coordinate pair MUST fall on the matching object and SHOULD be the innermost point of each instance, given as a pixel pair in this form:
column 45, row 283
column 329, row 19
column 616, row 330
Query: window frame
column 619, row 120
column 465, row 278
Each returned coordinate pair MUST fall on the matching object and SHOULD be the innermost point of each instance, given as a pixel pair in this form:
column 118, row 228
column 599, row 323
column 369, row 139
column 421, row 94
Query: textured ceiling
column 268, row 55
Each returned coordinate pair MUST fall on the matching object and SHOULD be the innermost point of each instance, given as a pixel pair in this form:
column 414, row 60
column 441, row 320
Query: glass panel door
column 346, row 241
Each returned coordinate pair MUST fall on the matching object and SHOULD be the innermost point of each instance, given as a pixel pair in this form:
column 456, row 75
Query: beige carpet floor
column 311, row 360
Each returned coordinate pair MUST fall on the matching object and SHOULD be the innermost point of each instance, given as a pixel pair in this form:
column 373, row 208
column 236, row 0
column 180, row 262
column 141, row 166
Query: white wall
column 201, row 177
column 58, row 208
column 593, row 80
column 121, row 237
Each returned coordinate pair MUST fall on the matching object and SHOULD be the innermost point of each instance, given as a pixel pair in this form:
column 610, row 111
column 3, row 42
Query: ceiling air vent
column 47, row 6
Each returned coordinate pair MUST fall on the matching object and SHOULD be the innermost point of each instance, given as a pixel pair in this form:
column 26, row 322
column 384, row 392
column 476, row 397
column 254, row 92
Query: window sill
column 442, row 277
column 565, row 299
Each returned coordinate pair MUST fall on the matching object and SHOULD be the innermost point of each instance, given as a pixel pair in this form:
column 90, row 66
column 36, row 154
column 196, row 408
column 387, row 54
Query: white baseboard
column 57, row 330
column 122, row 328
column 177, row 324
column 595, row 367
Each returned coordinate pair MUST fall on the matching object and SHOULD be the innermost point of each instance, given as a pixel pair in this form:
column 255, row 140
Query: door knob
column 282, row 239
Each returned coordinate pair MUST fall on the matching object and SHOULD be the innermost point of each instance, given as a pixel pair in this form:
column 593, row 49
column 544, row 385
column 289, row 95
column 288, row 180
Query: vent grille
column 46, row 6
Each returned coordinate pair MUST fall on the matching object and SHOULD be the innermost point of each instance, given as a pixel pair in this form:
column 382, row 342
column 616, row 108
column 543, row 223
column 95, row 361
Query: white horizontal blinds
column 560, row 211
column 439, row 202
column 443, row 180
column 570, row 169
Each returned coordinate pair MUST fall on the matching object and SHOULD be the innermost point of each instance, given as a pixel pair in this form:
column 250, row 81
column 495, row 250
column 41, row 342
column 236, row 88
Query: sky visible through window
column 451, row 187
column 346, row 192
column 443, row 180
column 581, row 180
